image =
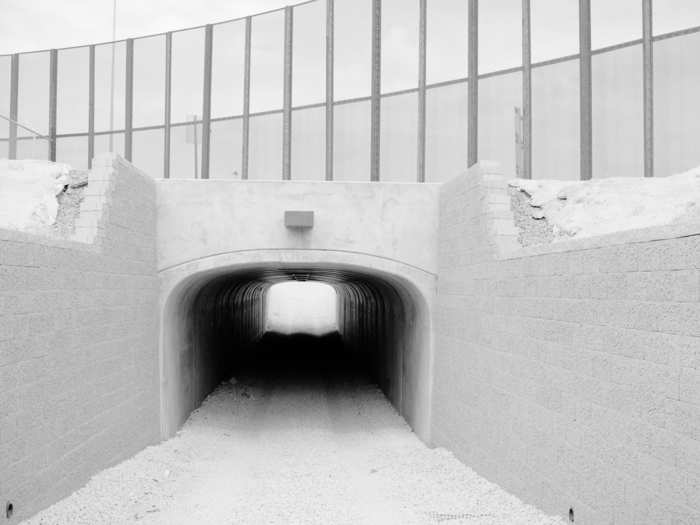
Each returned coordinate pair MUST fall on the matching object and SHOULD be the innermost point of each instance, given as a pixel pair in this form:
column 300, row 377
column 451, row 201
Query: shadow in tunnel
column 293, row 383
column 301, row 360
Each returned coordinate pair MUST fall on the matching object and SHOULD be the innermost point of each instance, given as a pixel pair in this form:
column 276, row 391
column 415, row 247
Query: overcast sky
column 41, row 24
column 27, row 25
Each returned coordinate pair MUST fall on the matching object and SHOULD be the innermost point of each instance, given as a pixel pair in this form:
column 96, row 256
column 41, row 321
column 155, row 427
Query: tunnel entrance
column 227, row 323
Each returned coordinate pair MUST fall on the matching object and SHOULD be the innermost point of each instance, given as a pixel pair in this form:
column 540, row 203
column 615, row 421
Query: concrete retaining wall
column 78, row 343
column 569, row 375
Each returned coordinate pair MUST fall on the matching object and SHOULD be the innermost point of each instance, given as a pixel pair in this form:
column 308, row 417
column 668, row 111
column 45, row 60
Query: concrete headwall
column 374, row 241
column 78, row 343
column 204, row 218
column 569, row 375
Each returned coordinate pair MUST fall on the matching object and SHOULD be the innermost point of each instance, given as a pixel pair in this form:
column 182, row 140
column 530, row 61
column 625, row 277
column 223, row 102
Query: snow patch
column 598, row 207
column 28, row 191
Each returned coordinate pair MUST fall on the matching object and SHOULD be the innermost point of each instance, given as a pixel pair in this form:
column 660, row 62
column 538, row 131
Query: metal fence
column 374, row 90
column 37, row 143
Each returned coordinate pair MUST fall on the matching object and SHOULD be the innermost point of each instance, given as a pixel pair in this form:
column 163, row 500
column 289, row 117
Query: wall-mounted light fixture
column 299, row 219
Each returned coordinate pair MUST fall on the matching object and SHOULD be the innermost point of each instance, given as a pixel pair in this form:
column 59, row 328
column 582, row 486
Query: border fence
column 377, row 90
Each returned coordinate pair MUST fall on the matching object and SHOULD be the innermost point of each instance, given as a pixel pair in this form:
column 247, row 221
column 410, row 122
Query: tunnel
column 213, row 327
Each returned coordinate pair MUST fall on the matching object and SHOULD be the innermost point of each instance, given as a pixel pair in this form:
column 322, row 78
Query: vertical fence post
column 129, row 99
column 245, row 139
column 519, row 143
column 206, row 103
column 287, row 96
column 586, row 90
column 376, row 88
column 14, row 97
column 473, row 84
column 647, row 10
column 422, row 72
column 91, row 106
column 167, row 117
column 330, row 60
column 527, row 93
column 53, row 92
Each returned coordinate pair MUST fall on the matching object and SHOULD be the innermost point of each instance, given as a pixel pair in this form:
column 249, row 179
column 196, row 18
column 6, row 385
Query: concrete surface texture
column 300, row 437
column 569, row 376
column 78, row 343
column 198, row 219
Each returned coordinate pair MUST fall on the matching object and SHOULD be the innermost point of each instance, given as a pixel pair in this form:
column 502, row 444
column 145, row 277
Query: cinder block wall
column 570, row 376
column 78, row 343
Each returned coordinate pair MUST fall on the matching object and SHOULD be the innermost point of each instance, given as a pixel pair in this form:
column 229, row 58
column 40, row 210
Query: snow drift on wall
column 597, row 207
column 28, row 191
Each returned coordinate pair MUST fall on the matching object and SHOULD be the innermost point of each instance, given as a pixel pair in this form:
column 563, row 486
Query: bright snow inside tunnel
column 234, row 322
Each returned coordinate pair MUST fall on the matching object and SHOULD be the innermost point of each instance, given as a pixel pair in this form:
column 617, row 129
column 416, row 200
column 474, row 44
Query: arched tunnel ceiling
column 365, row 286
column 301, row 273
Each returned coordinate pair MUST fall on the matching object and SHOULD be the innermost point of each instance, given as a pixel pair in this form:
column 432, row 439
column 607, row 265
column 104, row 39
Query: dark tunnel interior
column 301, row 361
column 214, row 328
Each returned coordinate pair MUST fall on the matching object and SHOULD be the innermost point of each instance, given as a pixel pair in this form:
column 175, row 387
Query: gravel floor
column 325, row 449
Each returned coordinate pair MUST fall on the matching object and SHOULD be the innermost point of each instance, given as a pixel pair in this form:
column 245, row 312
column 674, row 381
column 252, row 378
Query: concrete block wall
column 569, row 374
column 78, row 343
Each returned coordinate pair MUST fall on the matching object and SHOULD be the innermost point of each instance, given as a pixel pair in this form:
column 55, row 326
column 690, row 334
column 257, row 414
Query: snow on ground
column 28, row 191
column 600, row 206
column 278, row 453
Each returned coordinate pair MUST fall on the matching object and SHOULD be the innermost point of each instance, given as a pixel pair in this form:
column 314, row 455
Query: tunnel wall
column 570, row 375
column 372, row 319
column 78, row 343
column 205, row 323
column 390, row 324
